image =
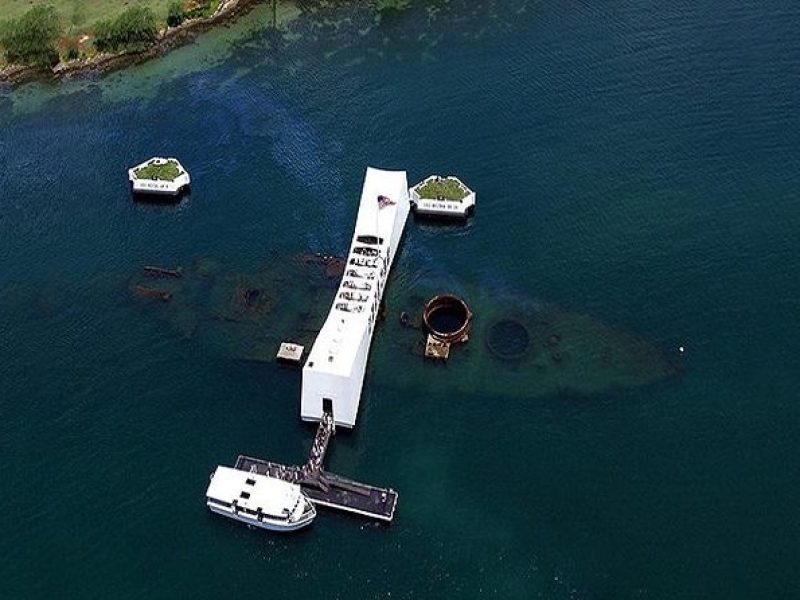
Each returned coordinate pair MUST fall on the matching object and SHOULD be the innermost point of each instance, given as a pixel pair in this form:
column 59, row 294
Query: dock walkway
column 323, row 488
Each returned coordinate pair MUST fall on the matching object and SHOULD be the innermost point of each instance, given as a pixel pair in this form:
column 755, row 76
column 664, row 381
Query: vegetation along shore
column 63, row 38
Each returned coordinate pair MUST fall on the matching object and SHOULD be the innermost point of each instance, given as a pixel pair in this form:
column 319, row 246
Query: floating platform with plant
column 443, row 197
column 159, row 176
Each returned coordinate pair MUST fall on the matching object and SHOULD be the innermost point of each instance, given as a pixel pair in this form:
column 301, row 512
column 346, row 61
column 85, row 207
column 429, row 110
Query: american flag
column 384, row 201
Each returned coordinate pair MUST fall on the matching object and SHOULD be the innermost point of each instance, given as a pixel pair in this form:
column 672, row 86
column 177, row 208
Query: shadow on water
column 163, row 200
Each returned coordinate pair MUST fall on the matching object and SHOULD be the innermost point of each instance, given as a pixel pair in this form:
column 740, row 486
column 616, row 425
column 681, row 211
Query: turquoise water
column 635, row 162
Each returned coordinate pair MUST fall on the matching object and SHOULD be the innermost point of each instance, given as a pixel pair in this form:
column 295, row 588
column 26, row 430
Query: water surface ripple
column 638, row 162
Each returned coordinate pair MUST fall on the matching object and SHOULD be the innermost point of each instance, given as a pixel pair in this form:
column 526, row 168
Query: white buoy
column 680, row 349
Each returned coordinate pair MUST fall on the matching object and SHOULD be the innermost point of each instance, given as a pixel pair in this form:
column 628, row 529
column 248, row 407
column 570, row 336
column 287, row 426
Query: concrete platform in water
column 159, row 177
column 442, row 198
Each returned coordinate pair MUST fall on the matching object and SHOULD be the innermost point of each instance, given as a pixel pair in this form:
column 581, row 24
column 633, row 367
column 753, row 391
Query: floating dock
column 327, row 489
column 333, row 491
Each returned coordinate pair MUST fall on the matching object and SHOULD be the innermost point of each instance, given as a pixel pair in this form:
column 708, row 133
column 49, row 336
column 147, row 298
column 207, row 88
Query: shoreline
column 168, row 39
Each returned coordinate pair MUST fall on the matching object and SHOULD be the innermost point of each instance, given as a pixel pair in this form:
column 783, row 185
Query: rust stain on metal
column 435, row 348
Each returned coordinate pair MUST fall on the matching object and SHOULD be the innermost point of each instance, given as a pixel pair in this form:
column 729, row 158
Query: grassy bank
column 84, row 23
column 67, row 36
column 80, row 15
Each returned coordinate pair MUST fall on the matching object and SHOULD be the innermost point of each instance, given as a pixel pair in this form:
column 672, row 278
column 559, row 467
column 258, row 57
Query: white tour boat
column 334, row 372
column 259, row 500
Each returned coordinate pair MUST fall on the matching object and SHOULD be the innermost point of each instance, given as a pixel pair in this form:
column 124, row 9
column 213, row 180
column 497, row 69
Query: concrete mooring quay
column 327, row 489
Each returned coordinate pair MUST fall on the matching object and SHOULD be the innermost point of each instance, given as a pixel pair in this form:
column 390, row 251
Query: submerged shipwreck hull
column 517, row 347
column 243, row 315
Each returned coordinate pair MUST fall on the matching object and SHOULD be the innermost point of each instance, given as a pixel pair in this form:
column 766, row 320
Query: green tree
column 175, row 13
column 391, row 5
column 133, row 29
column 72, row 52
column 31, row 39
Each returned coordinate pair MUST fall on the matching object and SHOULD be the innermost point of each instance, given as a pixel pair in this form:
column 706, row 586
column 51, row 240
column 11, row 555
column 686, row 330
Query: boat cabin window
column 369, row 239
column 250, row 481
column 244, row 495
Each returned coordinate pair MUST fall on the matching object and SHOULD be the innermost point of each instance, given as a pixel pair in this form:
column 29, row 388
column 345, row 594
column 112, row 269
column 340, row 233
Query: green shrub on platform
column 168, row 171
column 444, row 188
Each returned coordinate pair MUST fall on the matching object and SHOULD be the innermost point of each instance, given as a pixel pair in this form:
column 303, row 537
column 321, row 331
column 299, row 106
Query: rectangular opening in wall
column 327, row 405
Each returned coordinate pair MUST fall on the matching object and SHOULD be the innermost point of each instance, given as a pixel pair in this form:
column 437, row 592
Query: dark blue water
column 634, row 161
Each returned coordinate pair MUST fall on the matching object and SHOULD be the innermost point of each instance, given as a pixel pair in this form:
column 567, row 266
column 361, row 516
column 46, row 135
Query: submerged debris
column 508, row 339
column 334, row 265
column 152, row 271
column 242, row 315
column 143, row 291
